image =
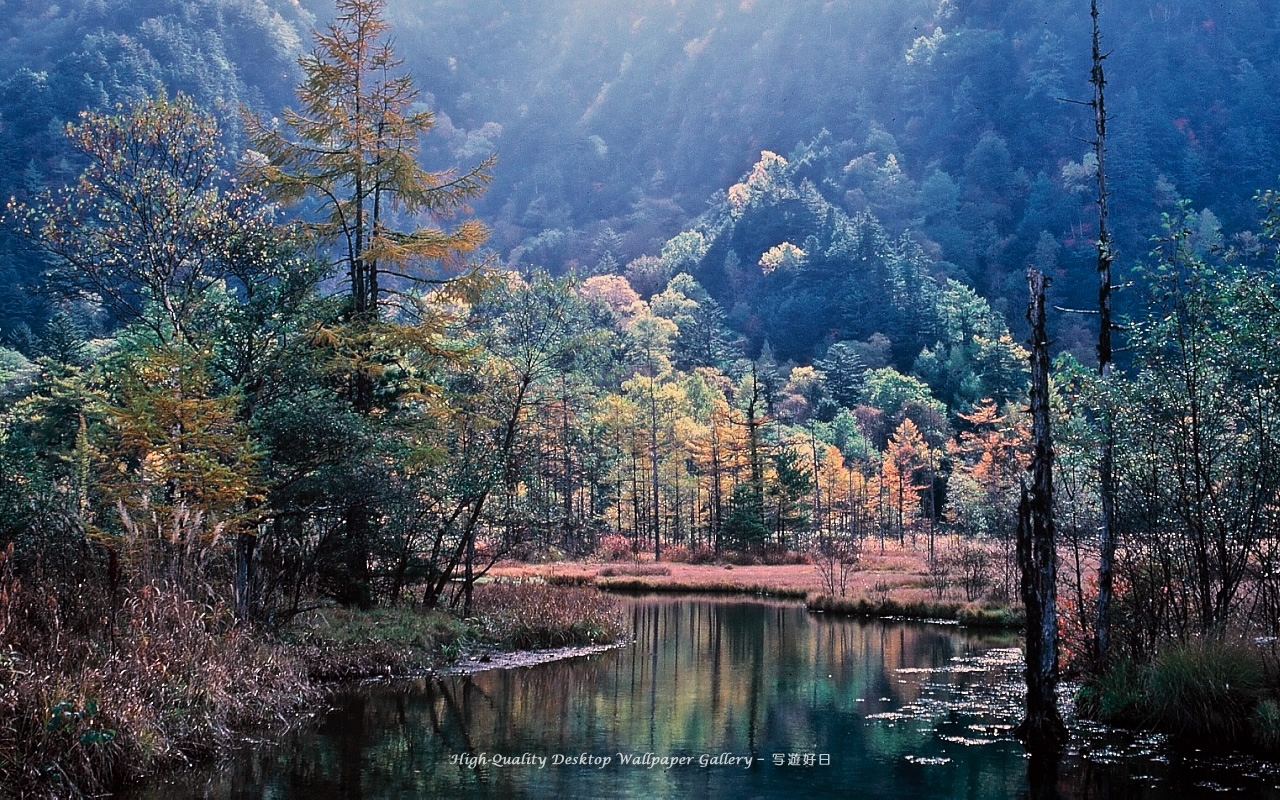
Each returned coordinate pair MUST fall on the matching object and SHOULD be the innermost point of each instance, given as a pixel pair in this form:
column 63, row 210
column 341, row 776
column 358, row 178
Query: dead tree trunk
column 1042, row 729
column 1106, row 461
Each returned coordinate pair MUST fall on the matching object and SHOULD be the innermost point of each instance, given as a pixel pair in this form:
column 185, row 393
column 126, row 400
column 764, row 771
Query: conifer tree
column 352, row 149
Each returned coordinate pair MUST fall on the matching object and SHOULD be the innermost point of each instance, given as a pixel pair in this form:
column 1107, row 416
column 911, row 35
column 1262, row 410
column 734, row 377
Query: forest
column 308, row 305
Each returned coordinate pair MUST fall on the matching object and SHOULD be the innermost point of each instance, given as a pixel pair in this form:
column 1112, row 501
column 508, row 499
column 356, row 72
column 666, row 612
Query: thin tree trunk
column 567, row 489
column 653, row 463
column 817, row 524
column 1106, row 462
column 717, row 495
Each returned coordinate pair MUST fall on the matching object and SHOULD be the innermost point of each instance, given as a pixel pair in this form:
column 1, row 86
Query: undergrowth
column 338, row 643
column 1211, row 692
column 92, row 697
column 86, row 705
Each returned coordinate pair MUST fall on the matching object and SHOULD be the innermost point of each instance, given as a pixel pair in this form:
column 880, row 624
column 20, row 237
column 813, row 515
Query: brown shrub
column 531, row 615
column 616, row 548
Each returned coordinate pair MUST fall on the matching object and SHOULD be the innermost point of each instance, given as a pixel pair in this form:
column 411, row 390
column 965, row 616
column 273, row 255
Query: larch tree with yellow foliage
column 353, row 149
column 903, row 472
column 983, row 489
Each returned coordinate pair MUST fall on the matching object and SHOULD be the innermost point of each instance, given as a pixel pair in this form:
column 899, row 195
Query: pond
column 716, row 698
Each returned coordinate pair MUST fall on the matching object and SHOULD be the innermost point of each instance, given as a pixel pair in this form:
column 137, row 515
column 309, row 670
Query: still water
column 719, row 699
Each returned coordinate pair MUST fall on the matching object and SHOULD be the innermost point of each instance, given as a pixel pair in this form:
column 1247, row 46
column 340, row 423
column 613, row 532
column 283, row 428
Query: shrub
column 777, row 556
column 742, row 558
column 941, row 572
column 680, row 554
column 835, row 557
column 772, row 555
column 616, row 547
column 701, row 554
column 973, row 564
column 675, row 553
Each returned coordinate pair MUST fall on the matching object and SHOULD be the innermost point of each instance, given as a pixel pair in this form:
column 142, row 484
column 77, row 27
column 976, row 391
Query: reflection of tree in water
column 458, row 711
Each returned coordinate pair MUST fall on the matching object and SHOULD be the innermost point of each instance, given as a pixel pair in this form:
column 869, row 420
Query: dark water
column 817, row 707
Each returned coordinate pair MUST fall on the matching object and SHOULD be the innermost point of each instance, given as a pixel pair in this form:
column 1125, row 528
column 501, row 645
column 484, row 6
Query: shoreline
column 892, row 585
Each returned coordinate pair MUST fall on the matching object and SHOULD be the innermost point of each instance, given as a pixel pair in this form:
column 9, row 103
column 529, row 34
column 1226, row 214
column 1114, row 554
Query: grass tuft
column 1209, row 692
column 1265, row 725
column 341, row 643
column 971, row 614
column 1205, row 688
column 571, row 579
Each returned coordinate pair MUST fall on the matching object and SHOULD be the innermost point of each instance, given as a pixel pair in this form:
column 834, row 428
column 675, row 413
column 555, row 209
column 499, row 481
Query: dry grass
column 974, row 615
column 531, row 616
column 560, row 570
column 639, row 584
column 90, row 699
column 895, row 582
column 81, row 710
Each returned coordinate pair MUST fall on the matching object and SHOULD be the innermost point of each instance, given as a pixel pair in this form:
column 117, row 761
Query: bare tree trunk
column 1106, row 463
column 566, row 493
column 1042, row 729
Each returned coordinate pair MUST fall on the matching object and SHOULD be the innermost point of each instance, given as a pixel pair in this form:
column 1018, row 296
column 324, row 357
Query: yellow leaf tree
column 352, row 149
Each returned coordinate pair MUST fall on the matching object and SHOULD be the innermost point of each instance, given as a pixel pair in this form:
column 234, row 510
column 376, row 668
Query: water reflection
column 818, row 707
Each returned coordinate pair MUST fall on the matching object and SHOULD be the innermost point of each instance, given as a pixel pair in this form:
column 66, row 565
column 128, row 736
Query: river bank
column 172, row 681
column 706, row 676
